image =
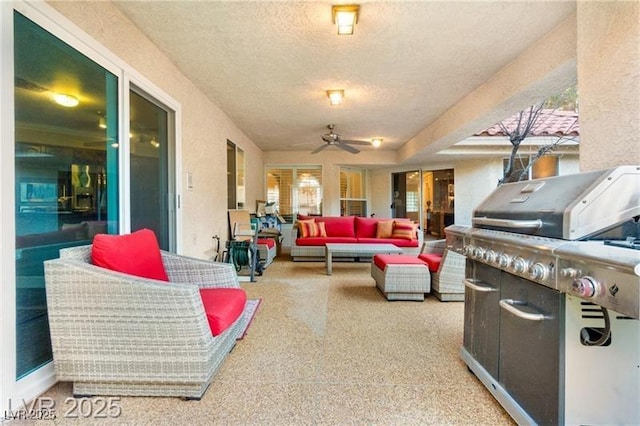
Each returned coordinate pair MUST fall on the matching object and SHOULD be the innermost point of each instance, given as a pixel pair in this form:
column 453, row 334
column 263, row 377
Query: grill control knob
column 467, row 250
column 586, row 287
column 504, row 260
column 490, row 256
column 539, row 271
column 478, row 252
column 520, row 265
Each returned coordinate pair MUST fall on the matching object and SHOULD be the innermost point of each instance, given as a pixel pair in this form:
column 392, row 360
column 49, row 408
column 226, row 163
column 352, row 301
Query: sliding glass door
column 66, row 169
column 151, row 175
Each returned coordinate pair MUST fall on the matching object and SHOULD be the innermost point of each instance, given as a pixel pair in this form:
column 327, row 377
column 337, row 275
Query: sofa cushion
column 222, row 306
column 136, row 254
column 321, row 241
column 365, row 227
column 382, row 260
column 404, row 230
column 312, row 229
column 384, row 228
column 395, row 241
column 339, row 226
column 431, row 259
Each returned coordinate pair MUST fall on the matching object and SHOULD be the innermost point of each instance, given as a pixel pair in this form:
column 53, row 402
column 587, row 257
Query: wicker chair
column 117, row 334
column 446, row 284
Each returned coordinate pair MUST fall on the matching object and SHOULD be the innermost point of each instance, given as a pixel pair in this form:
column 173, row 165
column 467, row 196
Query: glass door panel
column 66, row 169
column 152, row 205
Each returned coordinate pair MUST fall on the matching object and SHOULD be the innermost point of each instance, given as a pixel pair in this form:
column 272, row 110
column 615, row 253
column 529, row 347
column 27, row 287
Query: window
column 295, row 190
column 544, row 166
column 235, row 177
column 353, row 192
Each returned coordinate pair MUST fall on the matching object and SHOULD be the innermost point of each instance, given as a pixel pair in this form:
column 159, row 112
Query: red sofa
column 350, row 229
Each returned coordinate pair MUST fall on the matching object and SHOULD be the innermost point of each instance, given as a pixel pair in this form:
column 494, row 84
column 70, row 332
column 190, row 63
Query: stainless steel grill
column 552, row 297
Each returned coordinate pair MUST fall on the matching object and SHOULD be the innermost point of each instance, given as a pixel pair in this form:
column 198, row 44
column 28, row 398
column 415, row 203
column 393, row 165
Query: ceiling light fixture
column 102, row 123
column 346, row 17
column 335, row 96
column 154, row 143
column 65, row 100
column 376, row 142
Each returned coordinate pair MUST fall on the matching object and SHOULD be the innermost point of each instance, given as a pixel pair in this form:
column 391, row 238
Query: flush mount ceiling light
column 346, row 17
column 65, row 100
column 376, row 142
column 335, row 96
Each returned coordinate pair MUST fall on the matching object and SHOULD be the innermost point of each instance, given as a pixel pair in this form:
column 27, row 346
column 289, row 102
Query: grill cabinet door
column 482, row 315
column 530, row 350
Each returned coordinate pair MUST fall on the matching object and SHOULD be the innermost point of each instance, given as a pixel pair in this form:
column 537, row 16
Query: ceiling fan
column 335, row 139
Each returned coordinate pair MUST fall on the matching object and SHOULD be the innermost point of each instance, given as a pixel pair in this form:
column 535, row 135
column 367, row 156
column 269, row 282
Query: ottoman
column 401, row 277
column 267, row 249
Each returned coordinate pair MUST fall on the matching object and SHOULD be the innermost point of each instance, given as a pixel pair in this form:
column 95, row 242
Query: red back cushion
column 366, row 227
column 136, row 254
column 338, row 226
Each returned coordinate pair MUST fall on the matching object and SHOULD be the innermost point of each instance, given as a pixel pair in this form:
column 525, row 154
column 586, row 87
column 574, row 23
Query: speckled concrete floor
column 331, row 350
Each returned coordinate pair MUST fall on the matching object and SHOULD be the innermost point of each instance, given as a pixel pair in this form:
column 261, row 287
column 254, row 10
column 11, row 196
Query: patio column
column 609, row 83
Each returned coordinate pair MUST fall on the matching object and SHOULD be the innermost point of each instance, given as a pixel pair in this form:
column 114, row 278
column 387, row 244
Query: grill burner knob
column 539, row 271
column 478, row 252
column 504, row 260
column 586, row 287
column 520, row 265
column 490, row 256
column 467, row 250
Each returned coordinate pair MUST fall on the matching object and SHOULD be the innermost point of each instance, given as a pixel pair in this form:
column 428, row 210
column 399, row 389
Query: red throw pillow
column 136, row 254
column 404, row 230
column 222, row 306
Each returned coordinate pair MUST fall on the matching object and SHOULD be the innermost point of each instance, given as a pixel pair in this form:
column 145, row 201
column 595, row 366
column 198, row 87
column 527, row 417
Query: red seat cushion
column 269, row 242
column 396, row 242
column 321, row 241
column 222, row 306
column 382, row 260
column 431, row 259
column 136, row 254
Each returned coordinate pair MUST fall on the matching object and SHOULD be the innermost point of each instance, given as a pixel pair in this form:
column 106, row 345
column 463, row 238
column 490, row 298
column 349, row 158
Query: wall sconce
column 376, row 142
column 335, row 96
column 65, row 100
column 102, row 122
column 154, row 143
column 346, row 17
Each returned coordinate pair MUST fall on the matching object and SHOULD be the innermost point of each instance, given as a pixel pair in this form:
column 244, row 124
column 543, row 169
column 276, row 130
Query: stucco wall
column 205, row 128
column 609, row 83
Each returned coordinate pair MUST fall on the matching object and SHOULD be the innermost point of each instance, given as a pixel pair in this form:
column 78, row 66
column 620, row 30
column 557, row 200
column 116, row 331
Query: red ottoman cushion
column 382, row 260
column 269, row 242
column 431, row 259
column 222, row 306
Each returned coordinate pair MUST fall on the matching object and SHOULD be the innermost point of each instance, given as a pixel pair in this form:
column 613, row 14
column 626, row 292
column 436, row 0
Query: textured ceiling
column 268, row 64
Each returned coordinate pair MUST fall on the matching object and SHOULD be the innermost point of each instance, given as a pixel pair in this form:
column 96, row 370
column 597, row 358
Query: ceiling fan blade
column 356, row 142
column 348, row 148
column 320, row 148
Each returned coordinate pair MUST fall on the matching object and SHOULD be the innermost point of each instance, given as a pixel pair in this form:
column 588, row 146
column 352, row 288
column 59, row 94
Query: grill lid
column 570, row 207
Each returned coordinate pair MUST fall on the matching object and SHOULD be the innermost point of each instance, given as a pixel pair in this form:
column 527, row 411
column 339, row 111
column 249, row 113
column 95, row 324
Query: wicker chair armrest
column 434, row 246
column 452, row 267
column 202, row 273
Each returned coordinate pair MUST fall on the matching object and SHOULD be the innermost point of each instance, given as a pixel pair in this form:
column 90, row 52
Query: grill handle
column 472, row 284
column 508, row 223
column 509, row 305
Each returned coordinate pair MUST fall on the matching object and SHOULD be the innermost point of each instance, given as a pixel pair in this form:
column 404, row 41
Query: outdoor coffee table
column 356, row 250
